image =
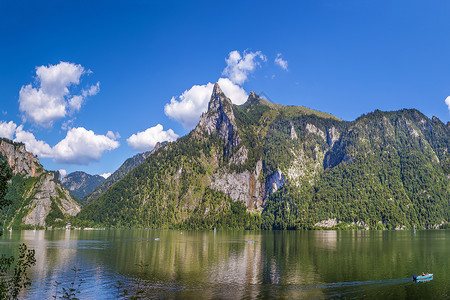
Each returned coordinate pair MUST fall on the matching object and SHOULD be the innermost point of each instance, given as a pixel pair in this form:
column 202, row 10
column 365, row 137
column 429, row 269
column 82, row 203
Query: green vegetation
column 13, row 278
column 384, row 173
column 384, row 170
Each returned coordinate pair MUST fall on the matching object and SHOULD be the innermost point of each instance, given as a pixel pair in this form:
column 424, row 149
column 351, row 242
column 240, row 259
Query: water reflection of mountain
column 234, row 264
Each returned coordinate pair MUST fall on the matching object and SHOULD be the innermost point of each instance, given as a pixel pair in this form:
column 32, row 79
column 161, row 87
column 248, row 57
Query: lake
column 237, row 264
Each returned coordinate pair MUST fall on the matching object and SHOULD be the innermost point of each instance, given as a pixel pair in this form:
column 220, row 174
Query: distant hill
column 124, row 169
column 81, row 184
column 265, row 165
column 37, row 197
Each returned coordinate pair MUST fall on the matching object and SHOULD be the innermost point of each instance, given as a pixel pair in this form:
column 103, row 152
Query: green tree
column 13, row 279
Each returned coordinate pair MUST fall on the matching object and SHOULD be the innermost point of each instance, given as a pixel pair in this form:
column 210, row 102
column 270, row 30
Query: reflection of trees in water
column 227, row 264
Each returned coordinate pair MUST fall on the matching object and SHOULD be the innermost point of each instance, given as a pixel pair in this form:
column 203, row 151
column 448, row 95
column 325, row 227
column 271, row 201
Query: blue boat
column 423, row 277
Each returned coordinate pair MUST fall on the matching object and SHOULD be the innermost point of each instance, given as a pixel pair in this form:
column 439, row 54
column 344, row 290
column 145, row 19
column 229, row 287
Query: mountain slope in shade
column 81, row 184
column 265, row 165
column 124, row 169
column 37, row 197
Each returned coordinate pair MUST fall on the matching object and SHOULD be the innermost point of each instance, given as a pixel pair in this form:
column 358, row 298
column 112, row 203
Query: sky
column 87, row 84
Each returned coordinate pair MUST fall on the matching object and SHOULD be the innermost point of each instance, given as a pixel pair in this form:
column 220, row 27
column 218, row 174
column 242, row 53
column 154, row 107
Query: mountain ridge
column 274, row 167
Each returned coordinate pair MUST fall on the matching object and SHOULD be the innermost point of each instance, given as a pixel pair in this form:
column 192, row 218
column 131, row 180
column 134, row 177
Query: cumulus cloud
column 189, row 106
column 281, row 62
column 82, row 146
column 113, row 135
column 63, row 172
column 39, row 148
column 51, row 100
column 7, row 130
column 239, row 67
column 105, row 175
column 236, row 93
column 447, row 101
column 146, row 140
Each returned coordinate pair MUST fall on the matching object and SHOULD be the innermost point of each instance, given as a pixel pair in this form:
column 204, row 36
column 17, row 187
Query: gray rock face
column 45, row 191
column 275, row 182
column 328, row 223
column 314, row 130
column 243, row 187
column 333, row 136
column 240, row 157
column 20, row 160
column 220, row 118
column 293, row 133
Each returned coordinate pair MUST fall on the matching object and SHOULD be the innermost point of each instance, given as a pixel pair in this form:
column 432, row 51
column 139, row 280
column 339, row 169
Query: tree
column 12, row 280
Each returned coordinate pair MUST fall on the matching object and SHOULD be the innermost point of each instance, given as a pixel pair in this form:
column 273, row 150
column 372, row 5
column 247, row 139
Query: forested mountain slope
column 36, row 195
column 81, row 184
column 124, row 169
column 264, row 165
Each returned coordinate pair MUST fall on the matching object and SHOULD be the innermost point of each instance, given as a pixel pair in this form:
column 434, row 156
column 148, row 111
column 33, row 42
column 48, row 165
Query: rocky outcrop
column 19, row 159
column 327, row 223
column 240, row 157
column 314, row 130
column 244, row 187
column 293, row 133
column 44, row 192
column 220, row 118
column 333, row 136
column 275, row 182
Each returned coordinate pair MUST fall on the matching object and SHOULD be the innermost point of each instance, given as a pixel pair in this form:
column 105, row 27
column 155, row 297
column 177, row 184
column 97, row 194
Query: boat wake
column 339, row 289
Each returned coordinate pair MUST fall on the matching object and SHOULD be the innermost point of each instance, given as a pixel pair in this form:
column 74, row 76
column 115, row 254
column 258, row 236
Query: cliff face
column 295, row 166
column 37, row 197
column 20, row 161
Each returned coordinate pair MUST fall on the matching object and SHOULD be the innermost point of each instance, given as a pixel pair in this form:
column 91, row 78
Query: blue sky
column 87, row 84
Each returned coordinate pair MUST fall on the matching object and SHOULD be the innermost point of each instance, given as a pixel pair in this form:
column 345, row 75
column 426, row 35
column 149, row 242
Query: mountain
column 81, row 184
column 37, row 197
column 265, row 165
column 124, row 169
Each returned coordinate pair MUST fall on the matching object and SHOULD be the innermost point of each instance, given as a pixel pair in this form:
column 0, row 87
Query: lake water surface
column 237, row 264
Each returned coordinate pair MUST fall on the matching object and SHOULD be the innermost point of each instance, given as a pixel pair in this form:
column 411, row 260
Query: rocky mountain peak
column 19, row 159
column 220, row 118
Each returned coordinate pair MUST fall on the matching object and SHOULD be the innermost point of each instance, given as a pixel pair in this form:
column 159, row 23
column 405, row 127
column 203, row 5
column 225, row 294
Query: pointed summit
column 216, row 90
column 218, row 99
column 254, row 99
column 219, row 118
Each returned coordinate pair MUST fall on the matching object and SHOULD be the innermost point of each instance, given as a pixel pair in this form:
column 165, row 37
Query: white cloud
column 93, row 90
column 63, row 172
column 81, row 146
column 239, row 67
column 281, row 62
column 236, row 93
column 146, row 140
column 39, row 148
column 193, row 102
column 447, row 101
column 7, row 129
column 51, row 99
column 112, row 135
column 105, row 175
column 75, row 103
